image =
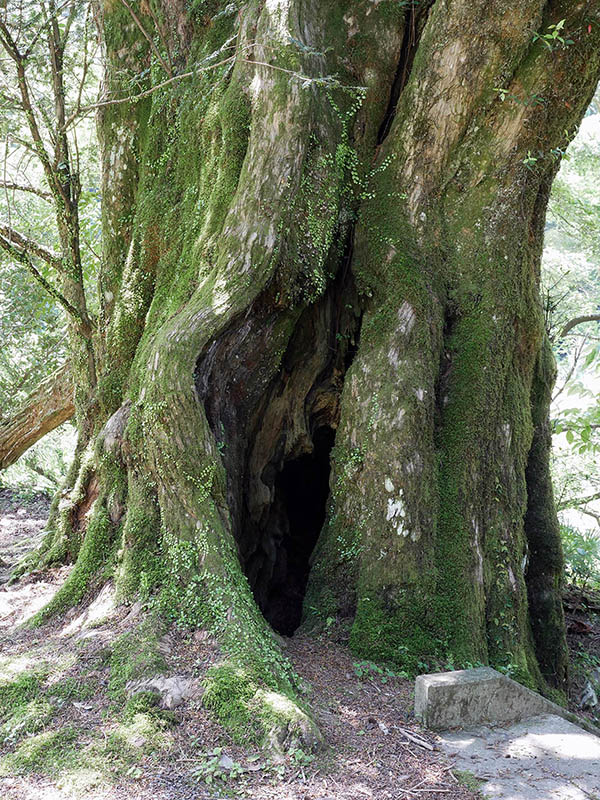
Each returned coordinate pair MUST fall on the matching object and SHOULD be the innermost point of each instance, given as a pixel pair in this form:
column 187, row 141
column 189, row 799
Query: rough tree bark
column 47, row 407
column 323, row 374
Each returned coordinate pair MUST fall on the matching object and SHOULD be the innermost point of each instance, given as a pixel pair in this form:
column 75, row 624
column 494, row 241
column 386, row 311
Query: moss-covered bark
column 288, row 259
column 429, row 487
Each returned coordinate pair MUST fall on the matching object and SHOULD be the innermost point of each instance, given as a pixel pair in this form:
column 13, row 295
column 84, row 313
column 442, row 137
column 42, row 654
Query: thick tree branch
column 45, row 409
column 572, row 323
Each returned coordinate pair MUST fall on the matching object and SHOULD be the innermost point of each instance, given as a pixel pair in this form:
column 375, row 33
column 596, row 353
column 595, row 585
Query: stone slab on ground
column 468, row 697
column 542, row 758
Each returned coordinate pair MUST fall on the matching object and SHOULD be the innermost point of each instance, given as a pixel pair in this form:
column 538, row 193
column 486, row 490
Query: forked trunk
column 323, row 355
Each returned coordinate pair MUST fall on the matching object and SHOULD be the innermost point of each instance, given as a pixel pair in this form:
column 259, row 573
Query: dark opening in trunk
column 290, row 534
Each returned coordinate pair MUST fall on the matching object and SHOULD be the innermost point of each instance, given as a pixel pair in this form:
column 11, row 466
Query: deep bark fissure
column 442, row 383
column 241, row 248
column 414, row 22
column 545, row 564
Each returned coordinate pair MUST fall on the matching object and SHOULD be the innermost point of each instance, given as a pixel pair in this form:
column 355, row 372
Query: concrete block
column 475, row 696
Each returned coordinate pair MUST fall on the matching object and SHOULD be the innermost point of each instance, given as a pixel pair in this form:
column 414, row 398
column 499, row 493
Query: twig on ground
column 416, row 739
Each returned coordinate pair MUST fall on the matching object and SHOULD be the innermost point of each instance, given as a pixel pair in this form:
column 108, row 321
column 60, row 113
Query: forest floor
column 66, row 733
column 582, row 613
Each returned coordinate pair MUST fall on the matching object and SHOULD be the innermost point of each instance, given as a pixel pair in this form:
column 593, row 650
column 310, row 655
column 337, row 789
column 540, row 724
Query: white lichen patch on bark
column 406, row 317
column 477, row 548
column 396, row 514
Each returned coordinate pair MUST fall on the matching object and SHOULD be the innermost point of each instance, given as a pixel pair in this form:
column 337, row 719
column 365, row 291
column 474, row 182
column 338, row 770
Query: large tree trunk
column 322, row 324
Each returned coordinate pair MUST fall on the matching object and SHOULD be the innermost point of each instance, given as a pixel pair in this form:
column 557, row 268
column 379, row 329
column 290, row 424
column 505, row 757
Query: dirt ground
column 21, row 524
column 373, row 747
column 74, row 741
column 582, row 612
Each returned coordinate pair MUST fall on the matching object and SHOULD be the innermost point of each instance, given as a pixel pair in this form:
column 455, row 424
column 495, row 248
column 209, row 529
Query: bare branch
column 18, row 187
column 572, row 323
column 86, row 65
column 137, row 97
column 30, row 246
column 576, row 502
column 569, row 375
column 160, row 33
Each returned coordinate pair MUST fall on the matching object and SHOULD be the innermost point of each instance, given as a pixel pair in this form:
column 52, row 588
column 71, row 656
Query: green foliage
column 215, row 767
column 582, row 556
column 368, row 669
column 553, row 38
column 468, row 780
column 586, row 662
column 571, row 275
column 44, row 467
column 33, row 325
column 32, row 330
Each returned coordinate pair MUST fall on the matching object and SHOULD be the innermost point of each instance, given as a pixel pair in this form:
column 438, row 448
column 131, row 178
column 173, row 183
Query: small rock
column 82, row 706
column 589, row 698
column 225, row 762
column 173, row 691
column 164, row 645
column 138, row 741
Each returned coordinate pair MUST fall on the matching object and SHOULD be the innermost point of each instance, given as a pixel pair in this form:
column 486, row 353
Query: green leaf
column 586, row 434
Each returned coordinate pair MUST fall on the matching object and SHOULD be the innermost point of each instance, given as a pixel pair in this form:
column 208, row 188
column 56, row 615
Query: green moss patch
column 49, row 752
column 136, row 655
